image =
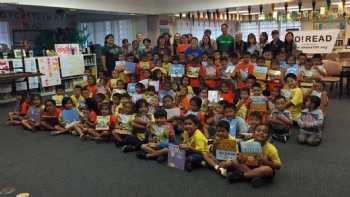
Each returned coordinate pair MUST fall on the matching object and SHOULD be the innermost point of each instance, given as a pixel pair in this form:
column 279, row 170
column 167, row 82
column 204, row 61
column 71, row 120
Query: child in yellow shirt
column 194, row 142
column 267, row 162
column 294, row 96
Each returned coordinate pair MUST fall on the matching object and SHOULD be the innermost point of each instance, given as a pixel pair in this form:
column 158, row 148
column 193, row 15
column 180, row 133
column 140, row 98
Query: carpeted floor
column 63, row 166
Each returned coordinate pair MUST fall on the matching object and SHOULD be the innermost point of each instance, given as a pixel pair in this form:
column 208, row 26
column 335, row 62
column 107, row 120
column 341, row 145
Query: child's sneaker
column 141, row 155
column 127, row 149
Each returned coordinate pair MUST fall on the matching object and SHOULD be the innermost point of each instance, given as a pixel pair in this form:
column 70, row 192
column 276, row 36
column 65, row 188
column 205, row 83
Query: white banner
column 316, row 41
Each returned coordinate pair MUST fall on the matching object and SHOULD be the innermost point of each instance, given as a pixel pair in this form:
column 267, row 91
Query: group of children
column 219, row 97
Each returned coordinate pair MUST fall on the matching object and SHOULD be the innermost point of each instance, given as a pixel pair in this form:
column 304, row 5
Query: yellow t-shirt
column 242, row 112
column 297, row 100
column 77, row 101
column 58, row 99
column 167, row 67
column 197, row 141
column 272, row 153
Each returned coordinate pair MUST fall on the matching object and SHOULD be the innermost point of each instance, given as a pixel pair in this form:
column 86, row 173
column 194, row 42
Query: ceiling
column 143, row 6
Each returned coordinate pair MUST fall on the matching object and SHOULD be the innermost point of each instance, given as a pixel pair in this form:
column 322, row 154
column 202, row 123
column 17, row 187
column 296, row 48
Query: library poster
column 49, row 67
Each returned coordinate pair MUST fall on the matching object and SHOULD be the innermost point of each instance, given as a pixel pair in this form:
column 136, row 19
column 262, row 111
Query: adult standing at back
column 207, row 33
column 276, row 44
column 289, row 45
column 110, row 54
column 263, row 43
column 194, row 50
column 225, row 42
column 240, row 45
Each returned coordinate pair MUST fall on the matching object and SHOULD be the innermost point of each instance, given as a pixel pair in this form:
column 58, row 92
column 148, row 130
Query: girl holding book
column 123, row 126
column 50, row 116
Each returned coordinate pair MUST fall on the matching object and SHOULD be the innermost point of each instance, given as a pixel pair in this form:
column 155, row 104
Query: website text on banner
column 316, row 41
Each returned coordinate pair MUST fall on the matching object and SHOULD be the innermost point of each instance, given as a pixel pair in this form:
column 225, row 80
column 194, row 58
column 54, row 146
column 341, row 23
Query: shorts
column 162, row 145
column 196, row 158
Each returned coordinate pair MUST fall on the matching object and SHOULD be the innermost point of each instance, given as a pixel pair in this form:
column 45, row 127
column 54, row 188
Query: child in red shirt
column 20, row 111
column 49, row 118
column 226, row 92
column 242, row 71
column 211, row 73
column 193, row 70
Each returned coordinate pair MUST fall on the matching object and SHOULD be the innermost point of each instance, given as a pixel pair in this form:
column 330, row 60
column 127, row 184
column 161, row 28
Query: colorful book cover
column 145, row 65
column 286, row 93
column 230, row 69
column 120, row 65
column 250, row 150
column 176, row 157
column 293, row 70
column 193, row 72
column 258, row 103
column 130, row 68
column 177, row 70
column 102, row 123
column 261, row 73
column 274, row 75
column 125, row 122
column 145, row 82
column 226, row 150
column 213, row 96
column 131, row 88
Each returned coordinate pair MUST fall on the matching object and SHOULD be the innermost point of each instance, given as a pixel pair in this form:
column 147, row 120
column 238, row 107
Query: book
column 230, row 69
column 131, row 88
column 176, row 157
column 177, row 70
column 145, row 82
column 193, row 72
column 102, row 123
column 293, row 70
column 125, row 122
column 226, row 149
column 268, row 63
column 258, row 103
column 145, row 65
column 213, row 96
column 261, row 73
column 174, row 112
column 250, row 150
column 118, row 91
column 306, row 84
column 130, row 68
column 274, row 75
column 286, row 93
column 120, row 65
column 71, row 124
column 155, row 84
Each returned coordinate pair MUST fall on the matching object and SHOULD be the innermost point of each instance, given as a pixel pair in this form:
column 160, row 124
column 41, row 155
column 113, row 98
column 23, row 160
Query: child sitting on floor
column 50, row 116
column 280, row 120
column 268, row 161
column 21, row 109
column 310, row 122
column 161, row 133
column 194, row 142
column 32, row 119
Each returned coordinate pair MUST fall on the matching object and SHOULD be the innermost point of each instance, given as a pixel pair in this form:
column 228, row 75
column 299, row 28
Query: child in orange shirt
column 242, row 71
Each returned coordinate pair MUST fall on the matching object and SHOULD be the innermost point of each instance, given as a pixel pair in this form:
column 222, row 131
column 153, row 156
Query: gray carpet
column 63, row 166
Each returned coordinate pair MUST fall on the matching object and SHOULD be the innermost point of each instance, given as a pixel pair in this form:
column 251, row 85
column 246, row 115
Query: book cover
column 120, row 65
column 274, row 75
column 145, row 65
column 213, row 96
column 102, row 123
column 131, row 88
column 258, row 103
column 145, row 82
column 177, row 70
column 261, row 73
column 174, row 112
column 155, row 84
column 130, row 68
column 251, row 150
column 226, row 149
column 230, row 69
column 176, row 157
column 193, row 72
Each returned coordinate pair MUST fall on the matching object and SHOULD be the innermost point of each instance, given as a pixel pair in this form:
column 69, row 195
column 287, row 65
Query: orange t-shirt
column 185, row 104
column 249, row 69
column 92, row 117
column 211, row 83
column 23, row 108
column 181, row 48
column 92, row 89
column 228, row 96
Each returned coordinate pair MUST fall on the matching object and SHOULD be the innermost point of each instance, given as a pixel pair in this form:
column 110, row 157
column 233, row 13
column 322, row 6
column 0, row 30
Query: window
column 4, row 33
column 98, row 30
column 249, row 27
column 197, row 28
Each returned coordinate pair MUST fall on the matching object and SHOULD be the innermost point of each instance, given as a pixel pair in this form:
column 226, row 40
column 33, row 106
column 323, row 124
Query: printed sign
column 49, row 67
column 30, row 66
column 72, row 65
column 316, row 41
column 213, row 96
column 67, row 49
column 176, row 157
column 226, row 149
